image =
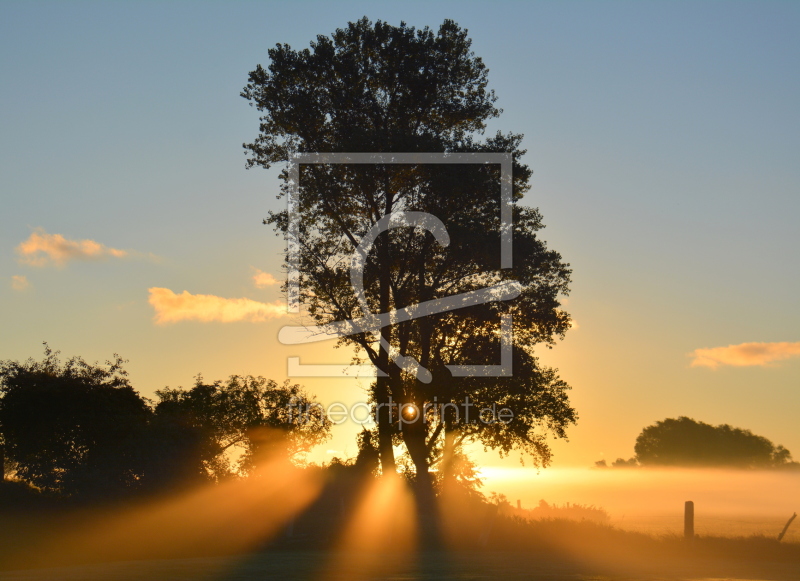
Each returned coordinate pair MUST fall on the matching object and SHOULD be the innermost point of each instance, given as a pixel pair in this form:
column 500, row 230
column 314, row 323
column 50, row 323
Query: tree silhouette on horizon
column 690, row 443
column 78, row 429
column 72, row 427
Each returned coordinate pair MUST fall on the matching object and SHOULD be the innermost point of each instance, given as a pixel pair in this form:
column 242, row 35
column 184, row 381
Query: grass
column 137, row 542
column 552, row 550
column 456, row 566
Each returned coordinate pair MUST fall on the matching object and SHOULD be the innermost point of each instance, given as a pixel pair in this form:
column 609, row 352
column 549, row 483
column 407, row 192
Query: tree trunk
column 384, row 420
column 448, row 453
column 424, row 493
column 382, row 384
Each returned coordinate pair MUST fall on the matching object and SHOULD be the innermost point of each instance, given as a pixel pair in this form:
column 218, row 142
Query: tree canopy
column 687, row 442
column 72, row 427
column 370, row 88
column 253, row 416
column 80, row 429
column 382, row 88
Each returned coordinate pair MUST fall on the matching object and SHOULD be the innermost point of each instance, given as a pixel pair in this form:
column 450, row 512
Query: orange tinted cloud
column 171, row 308
column 43, row 249
column 19, row 282
column 264, row 279
column 745, row 354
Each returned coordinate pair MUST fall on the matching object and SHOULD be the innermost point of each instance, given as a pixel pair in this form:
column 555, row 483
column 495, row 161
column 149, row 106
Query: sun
column 410, row 411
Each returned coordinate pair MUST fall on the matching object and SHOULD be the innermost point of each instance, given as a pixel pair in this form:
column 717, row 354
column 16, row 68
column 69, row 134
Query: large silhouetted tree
column 382, row 88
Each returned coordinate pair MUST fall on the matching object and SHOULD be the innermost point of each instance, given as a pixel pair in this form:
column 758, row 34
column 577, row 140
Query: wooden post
column 688, row 520
column 786, row 528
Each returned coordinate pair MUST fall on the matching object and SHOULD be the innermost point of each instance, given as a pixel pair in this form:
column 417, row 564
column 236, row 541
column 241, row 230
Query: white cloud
column 171, row 308
column 19, row 282
column 264, row 279
column 745, row 354
column 43, row 249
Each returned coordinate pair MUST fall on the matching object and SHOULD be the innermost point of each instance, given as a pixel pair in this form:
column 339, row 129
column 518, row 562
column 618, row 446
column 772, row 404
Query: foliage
column 381, row 88
column 369, row 88
column 72, row 427
column 574, row 511
column 545, row 510
column 687, row 442
column 461, row 477
column 251, row 415
column 75, row 428
column 623, row 463
column 367, row 460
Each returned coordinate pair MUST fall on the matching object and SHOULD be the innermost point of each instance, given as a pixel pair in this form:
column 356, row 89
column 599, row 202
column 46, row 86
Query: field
column 243, row 532
column 728, row 503
column 551, row 549
column 725, row 525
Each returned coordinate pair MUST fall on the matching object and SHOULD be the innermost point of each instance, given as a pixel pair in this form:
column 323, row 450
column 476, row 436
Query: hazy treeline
column 546, row 510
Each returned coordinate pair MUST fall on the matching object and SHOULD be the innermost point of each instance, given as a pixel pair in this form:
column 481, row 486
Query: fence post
column 688, row 520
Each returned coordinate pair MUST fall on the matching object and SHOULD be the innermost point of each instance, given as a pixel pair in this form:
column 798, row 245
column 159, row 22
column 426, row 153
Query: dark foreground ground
column 328, row 566
column 243, row 532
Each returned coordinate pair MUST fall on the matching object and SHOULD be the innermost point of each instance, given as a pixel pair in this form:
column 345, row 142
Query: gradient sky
column 664, row 137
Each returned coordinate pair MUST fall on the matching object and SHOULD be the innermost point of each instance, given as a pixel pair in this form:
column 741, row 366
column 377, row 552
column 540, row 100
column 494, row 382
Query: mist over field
column 727, row 502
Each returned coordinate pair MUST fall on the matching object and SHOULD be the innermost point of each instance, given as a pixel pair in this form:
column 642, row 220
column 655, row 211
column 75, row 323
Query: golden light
column 380, row 535
column 216, row 519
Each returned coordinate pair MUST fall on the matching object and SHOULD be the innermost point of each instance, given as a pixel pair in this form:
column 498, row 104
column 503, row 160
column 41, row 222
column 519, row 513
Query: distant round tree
column 687, row 442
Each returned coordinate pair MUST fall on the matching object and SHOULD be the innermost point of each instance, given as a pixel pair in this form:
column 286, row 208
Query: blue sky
column 664, row 137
